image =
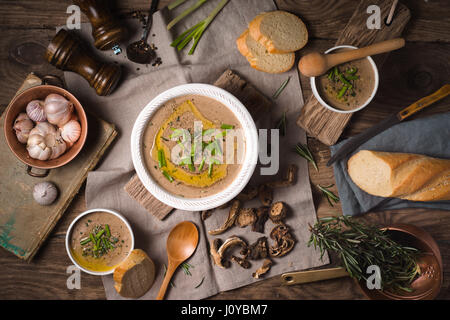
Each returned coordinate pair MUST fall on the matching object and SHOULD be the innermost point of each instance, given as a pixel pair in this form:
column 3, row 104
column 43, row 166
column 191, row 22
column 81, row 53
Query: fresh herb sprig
column 331, row 197
column 282, row 125
column 303, row 151
column 281, row 88
column 359, row 246
column 196, row 32
column 175, row 4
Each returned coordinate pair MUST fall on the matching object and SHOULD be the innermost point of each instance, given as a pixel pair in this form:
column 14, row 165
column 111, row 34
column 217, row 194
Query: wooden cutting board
column 323, row 124
column 24, row 225
column 255, row 102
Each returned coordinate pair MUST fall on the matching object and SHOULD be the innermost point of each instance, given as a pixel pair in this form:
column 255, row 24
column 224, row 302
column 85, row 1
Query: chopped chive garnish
column 281, row 88
column 160, row 161
column 201, row 164
column 227, row 126
column 342, row 92
column 91, row 236
column 108, row 231
column 210, row 170
column 85, row 241
column 167, row 175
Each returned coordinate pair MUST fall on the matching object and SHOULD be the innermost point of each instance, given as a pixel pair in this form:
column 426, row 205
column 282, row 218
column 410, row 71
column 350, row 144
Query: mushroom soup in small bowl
column 194, row 147
column 98, row 240
column 348, row 87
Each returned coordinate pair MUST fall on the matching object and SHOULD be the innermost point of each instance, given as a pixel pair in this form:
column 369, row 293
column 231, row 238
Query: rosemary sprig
column 197, row 30
column 359, row 246
column 331, row 197
column 281, row 88
column 282, row 125
column 185, row 13
column 303, row 151
column 201, row 282
column 186, row 266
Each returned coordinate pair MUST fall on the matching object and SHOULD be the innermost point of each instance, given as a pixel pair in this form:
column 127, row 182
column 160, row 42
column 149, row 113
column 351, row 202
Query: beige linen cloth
column 215, row 53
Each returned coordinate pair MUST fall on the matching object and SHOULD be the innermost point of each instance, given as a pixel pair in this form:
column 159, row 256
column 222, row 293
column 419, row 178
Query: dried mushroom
column 244, row 263
column 289, row 178
column 267, row 264
column 265, row 194
column 262, row 214
column 206, row 214
column 277, row 212
column 248, row 193
column 258, row 250
column 232, row 215
column 246, row 217
column 284, row 241
column 218, row 250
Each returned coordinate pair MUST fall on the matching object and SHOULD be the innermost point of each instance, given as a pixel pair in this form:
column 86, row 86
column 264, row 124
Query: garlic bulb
column 71, row 131
column 45, row 142
column 35, row 110
column 45, row 193
column 22, row 127
column 58, row 109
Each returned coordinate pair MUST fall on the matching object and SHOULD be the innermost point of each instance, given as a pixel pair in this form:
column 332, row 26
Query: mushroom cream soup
column 347, row 86
column 193, row 146
column 100, row 241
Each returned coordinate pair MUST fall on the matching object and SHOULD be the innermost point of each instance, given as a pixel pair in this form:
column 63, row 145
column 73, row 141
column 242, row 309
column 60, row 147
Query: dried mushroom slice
column 217, row 258
column 205, row 214
column 284, row 241
column 265, row 194
column 246, row 217
column 267, row 264
column 244, row 263
column 232, row 215
column 259, row 249
column 277, row 212
column 248, row 193
column 262, row 214
column 289, row 180
column 218, row 250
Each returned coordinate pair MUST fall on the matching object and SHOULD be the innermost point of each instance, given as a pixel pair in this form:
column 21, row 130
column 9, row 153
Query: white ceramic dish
column 247, row 166
column 69, row 233
column 326, row 105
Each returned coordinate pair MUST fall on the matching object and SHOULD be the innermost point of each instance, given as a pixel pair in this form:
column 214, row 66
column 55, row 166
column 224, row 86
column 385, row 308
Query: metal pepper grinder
column 67, row 52
column 106, row 29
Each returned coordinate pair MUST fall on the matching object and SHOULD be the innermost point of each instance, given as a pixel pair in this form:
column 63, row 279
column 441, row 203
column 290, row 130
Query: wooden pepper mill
column 106, row 29
column 67, row 53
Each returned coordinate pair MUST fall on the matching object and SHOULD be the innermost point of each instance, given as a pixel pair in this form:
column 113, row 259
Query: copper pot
column 18, row 105
column 429, row 282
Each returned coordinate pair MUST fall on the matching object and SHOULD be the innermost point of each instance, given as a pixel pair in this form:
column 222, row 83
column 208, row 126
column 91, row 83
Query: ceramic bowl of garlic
column 45, row 127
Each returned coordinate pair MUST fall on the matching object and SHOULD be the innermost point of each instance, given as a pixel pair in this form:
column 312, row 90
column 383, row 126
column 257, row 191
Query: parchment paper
column 428, row 136
column 215, row 53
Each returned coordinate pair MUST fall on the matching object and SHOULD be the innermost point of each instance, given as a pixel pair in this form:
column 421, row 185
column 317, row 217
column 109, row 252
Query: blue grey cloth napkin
column 428, row 136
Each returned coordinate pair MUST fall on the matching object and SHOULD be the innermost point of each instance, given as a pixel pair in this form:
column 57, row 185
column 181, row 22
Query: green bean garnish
column 108, row 231
column 342, row 92
column 85, row 241
column 167, row 175
column 227, row 126
column 201, row 164
column 210, row 170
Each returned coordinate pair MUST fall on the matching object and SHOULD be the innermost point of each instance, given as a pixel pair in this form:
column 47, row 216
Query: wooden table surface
column 420, row 68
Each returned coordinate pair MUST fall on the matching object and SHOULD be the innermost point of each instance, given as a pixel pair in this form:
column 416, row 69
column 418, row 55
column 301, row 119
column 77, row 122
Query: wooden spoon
column 315, row 64
column 181, row 244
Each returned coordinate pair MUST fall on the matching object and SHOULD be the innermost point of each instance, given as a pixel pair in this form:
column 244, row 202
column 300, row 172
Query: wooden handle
column 424, row 102
column 312, row 276
column 169, row 273
column 377, row 48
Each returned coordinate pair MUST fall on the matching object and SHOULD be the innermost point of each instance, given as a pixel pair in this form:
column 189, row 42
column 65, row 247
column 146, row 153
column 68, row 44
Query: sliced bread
column 279, row 31
column 401, row 175
column 135, row 275
column 260, row 59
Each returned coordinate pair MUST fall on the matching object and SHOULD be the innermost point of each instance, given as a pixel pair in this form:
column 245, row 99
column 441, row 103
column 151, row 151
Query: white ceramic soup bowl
column 69, row 235
column 247, row 166
column 374, row 91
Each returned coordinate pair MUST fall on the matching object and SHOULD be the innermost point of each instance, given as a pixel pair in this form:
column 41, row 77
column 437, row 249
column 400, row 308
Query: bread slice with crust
column 260, row 59
column 279, row 31
column 135, row 275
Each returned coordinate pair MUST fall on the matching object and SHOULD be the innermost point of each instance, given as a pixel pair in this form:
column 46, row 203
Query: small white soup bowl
column 248, row 164
column 69, row 234
column 374, row 91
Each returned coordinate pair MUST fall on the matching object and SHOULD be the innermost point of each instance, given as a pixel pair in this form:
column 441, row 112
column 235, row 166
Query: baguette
column 279, row 31
column 135, row 275
column 401, row 175
column 260, row 59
